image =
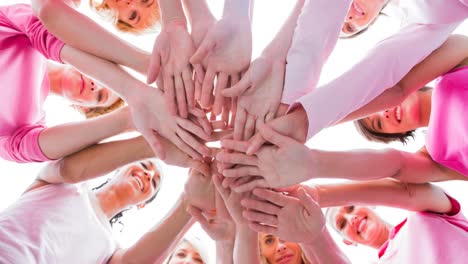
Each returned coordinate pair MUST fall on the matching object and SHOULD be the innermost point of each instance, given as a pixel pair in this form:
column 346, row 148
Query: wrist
column 173, row 24
column 299, row 116
column 239, row 9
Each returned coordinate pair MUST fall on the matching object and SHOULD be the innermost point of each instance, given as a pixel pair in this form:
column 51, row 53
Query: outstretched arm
column 81, row 32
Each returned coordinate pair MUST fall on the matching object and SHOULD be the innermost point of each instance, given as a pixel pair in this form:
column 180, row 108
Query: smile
column 397, row 113
column 139, row 181
column 82, row 84
column 358, row 8
column 284, row 259
column 362, row 225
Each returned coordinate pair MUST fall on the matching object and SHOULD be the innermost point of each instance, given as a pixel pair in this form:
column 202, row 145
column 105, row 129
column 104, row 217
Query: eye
column 99, row 99
column 144, row 165
column 379, row 124
column 144, row 1
column 181, row 255
column 342, row 224
column 269, row 241
column 350, row 209
column 132, row 16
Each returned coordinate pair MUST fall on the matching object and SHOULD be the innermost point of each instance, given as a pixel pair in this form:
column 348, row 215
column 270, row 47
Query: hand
column 297, row 219
column 221, row 228
column 285, row 164
column 260, row 92
column 226, row 50
column 293, row 125
column 150, row 118
column 200, row 191
column 172, row 51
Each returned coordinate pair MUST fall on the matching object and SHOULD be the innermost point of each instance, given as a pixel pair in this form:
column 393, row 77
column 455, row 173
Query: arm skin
column 383, row 192
column 442, row 60
column 246, row 248
column 157, row 243
column 55, row 141
column 224, row 252
column 81, row 32
column 324, row 250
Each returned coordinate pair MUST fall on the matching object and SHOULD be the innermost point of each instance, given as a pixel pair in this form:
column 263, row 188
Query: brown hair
column 385, row 137
column 104, row 10
column 98, row 111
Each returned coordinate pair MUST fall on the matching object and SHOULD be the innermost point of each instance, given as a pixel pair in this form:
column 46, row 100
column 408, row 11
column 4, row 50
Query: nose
column 386, row 113
column 281, row 247
column 352, row 219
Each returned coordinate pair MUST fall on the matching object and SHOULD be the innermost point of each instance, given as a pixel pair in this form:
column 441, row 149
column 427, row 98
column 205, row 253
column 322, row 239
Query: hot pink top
column 383, row 66
column 25, row 45
column 56, row 223
column 447, row 136
column 429, row 238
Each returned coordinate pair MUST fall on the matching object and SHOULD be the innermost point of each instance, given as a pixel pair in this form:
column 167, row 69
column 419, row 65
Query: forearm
column 105, row 72
column 315, row 36
column 172, row 12
column 383, row 67
column 96, row 161
column 157, row 242
column 324, row 250
column 384, row 192
column 81, row 32
column 238, row 8
column 197, row 12
column 224, row 252
column 246, row 249
column 55, row 141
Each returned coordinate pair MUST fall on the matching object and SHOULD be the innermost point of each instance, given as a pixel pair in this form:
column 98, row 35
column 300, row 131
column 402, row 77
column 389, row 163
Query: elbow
column 67, row 172
column 44, row 10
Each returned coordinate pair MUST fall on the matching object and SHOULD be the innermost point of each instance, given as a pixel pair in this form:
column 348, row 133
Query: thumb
column 272, row 136
column 310, row 205
column 153, row 68
column 206, row 47
column 153, row 139
column 239, row 88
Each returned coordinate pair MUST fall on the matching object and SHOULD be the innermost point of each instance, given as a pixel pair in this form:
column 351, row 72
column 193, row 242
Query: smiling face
column 360, row 15
column 185, row 253
column 400, row 119
column 136, row 183
column 137, row 14
column 358, row 224
column 277, row 251
column 83, row 91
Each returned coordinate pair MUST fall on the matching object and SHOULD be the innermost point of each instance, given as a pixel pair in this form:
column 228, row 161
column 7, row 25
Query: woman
column 24, row 137
column 436, row 231
column 274, row 250
column 59, row 208
column 186, row 252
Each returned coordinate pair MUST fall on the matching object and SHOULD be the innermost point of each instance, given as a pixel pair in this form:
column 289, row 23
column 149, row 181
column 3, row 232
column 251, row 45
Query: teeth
column 357, row 7
column 361, row 225
column 398, row 113
column 139, row 182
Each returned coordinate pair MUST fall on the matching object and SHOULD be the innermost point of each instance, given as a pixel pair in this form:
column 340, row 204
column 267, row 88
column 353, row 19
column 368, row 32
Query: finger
column 260, row 206
column 180, row 95
column 193, row 143
column 160, row 83
column 218, row 185
column 271, row 196
column 257, row 182
column 201, row 167
column 219, row 99
column 152, row 138
column 241, row 172
column 216, row 136
column 310, row 204
column 220, row 124
column 192, row 128
column 239, row 88
column 226, row 110
column 237, row 158
column 198, row 88
column 185, row 147
column 240, row 146
column 207, row 45
column 259, row 228
column 240, row 181
column 255, row 143
column 260, row 218
column 205, row 124
column 197, row 214
column 228, row 182
column 234, row 103
column 189, row 87
column 274, row 137
column 154, row 67
column 249, row 127
column 269, row 116
column 169, row 94
column 197, row 112
column 207, row 88
column 198, row 72
column 241, row 119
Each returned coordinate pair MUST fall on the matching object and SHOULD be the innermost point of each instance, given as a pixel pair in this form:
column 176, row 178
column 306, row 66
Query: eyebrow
column 150, row 4
column 99, row 98
column 154, row 183
column 124, row 23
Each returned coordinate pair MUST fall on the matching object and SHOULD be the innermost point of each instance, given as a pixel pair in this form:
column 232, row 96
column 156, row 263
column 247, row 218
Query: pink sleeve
column 23, row 145
column 23, row 19
column 318, row 28
column 383, row 67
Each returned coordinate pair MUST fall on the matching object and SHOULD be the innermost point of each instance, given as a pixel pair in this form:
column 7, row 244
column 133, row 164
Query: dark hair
column 385, row 137
column 116, row 218
column 358, row 33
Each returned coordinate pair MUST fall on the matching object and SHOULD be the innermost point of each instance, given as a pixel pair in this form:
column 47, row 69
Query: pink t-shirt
column 25, row 45
column 429, row 238
column 56, row 223
column 447, row 136
column 382, row 67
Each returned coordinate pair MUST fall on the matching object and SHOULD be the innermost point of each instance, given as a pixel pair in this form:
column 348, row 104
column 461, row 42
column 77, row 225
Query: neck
column 54, row 72
column 382, row 237
column 109, row 202
column 425, row 102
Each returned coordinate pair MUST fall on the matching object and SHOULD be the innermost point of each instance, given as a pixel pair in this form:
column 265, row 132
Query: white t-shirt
column 56, row 223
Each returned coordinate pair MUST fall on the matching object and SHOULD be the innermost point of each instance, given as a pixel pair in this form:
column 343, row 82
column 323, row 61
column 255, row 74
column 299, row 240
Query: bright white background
column 268, row 17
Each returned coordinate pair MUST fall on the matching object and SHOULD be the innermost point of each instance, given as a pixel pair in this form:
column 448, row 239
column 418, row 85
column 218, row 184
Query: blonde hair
column 98, row 111
column 104, row 10
column 264, row 260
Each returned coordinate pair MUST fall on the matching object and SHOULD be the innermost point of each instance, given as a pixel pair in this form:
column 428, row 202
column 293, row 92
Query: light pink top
column 55, row 223
column 382, row 67
column 25, row 44
column 447, row 136
column 429, row 238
